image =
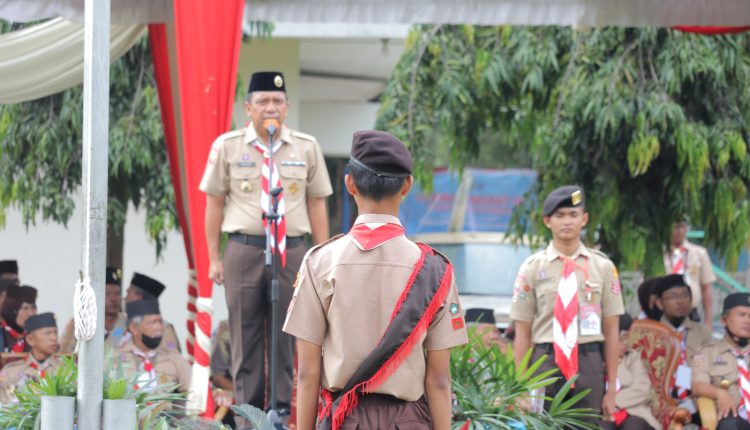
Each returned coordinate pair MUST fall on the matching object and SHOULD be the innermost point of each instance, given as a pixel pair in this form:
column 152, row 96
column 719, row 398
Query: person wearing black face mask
column 720, row 369
column 673, row 299
column 141, row 353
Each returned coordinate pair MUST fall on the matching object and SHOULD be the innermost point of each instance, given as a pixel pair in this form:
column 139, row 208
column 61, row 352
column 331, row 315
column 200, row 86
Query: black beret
column 7, row 283
column 665, row 283
column 736, row 299
column 267, row 81
column 9, row 266
column 149, row 285
column 569, row 196
column 625, row 322
column 381, row 153
column 25, row 294
column 113, row 276
column 140, row 308
column 480, row 315
column 38, row 321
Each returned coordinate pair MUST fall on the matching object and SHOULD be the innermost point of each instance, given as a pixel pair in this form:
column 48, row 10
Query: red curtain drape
column 207, row 39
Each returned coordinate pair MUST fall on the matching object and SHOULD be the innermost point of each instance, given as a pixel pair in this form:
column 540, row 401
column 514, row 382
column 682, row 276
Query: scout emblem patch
column 458, row 323
column 278, row 81
column 245, row 186
column 616, row 288
column 454, row 308
column 293, row 188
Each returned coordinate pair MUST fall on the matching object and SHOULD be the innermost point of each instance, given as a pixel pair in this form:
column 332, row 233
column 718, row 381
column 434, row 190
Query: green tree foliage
column 653, row 123
column 41, row 144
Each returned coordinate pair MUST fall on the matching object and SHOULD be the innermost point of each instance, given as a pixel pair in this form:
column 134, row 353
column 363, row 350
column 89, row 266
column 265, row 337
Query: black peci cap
column 267, row 81
column 668, row 282
column 150, row 285
column 569, row 196
column 479, row 315
column 381, row 153
column 736, row 299
column 113, row 276
column 38, row 321
column 9, row 266
column 140, row 308
column 24, row 294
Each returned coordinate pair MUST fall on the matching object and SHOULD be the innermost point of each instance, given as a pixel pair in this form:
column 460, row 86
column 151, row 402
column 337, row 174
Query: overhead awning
column 594, row 13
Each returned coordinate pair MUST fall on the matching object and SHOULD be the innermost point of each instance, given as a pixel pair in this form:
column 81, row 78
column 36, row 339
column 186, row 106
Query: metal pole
column 95, row 165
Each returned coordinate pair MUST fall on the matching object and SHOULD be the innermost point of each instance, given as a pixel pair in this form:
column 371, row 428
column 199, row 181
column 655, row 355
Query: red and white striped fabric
column 679, row 255
column 147, row 379
column 744, row 382
column 278, row 238
column 565, row 322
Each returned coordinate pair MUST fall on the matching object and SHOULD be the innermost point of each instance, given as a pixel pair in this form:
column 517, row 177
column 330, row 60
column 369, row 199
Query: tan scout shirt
column 716, row 363
column 16, row 374
column 169, row 365
column 535, row 291
column 344, row 300
column 234, row 160
column 634, row 393
column 698, row 270
column 111, row 338
column 698, row 336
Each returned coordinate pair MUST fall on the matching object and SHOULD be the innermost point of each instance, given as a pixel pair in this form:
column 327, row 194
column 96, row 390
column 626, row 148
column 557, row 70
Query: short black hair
column 373, row 186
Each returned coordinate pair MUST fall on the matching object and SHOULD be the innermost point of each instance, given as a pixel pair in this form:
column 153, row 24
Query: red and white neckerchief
column 744, row 382
column 370, row 235
column 278, row 237
column 679, row 259
column 565, row 322
column 147, row 379
column 20, row 344
column 682, row 392
column 34, row 365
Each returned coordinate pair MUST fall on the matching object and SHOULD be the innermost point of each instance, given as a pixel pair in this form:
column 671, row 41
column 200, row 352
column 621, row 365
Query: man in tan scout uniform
column 115, row 320
column 143, row 287
column 237, row 185
column 566, row 304
column 719, row 370
column 673, row 298
column 142, row 354
column 691, row 260
column 364, row 318
column 41, row 335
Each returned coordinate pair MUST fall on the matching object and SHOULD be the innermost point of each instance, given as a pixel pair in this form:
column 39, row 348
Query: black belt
column 586, row 347
column 260, row 241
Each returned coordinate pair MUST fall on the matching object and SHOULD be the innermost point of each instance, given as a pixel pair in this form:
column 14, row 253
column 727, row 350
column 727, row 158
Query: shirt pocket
column 721, row 372
column 293, row 179
column 546, row 294
column 239, row 174
column 590, row 292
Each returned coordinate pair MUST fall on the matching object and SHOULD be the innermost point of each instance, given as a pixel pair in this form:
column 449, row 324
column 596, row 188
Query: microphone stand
column 272, row 217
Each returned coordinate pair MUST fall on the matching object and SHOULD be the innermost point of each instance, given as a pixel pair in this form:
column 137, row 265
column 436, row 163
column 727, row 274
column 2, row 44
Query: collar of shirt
column 553, row 253
column 377, row 218
column 127, row 345
column 726, row 345
column 38, row 365
column 251, row 135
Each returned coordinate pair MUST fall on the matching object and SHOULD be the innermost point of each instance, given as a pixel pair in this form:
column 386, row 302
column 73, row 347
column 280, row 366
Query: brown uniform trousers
column 249, row 304
column 381, row 411
column 591, row 358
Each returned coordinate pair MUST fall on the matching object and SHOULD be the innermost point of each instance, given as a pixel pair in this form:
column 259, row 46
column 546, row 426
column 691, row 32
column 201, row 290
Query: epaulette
column 227, row 136
column 321, row 245
column 598, row 253
column 302, row 135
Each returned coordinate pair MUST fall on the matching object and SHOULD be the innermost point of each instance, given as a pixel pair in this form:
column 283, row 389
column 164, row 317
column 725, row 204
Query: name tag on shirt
column 683, row 377
column 293, row 163
column 246, row 164
column 591, row 322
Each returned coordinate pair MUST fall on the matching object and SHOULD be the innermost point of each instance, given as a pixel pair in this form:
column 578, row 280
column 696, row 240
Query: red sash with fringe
column 422, row 297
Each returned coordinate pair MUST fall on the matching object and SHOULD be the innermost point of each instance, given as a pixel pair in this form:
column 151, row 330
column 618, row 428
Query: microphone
column 271, row 126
